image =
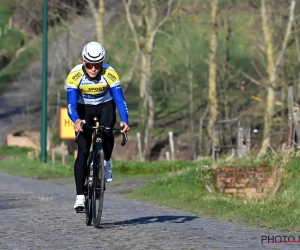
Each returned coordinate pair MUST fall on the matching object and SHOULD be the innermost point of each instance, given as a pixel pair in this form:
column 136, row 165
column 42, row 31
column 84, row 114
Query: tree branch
column 287, row 35
column 93, row 9
column 130, row 23
column 165, row 18
column 250, row 78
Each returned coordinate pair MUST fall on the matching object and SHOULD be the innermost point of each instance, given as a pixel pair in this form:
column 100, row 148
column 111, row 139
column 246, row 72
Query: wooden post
column 9, row 23
column 215, row 144
column 168, row 156
column 296, row 126
column 63, row 156
column 171, row 146
column 193, row 149
column 37, row 151
column 138, row 135
column 0, row 32
column 291, row 120
column 53, row 156
column 243, row 142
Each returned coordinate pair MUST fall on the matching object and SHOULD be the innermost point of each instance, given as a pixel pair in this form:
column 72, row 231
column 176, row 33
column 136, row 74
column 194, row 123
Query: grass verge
column 186, row 190
column 14, row 160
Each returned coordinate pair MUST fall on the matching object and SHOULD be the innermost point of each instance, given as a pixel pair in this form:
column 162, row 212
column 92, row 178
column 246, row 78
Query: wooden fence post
column 296, row 126
column 215, row 144
column 37, row 153
column 53, row 156
column 171, row 146
column 243, row 142
column 63, row 155
column 291, row 120
column 9, row 23
column 138, row 136
column 168, row 156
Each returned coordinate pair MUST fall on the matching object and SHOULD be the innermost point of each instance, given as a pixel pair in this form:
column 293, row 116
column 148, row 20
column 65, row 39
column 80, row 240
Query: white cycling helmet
column 93, row 52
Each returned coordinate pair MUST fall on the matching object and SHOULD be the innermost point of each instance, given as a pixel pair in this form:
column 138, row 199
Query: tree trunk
column 144, row 44
column 269, row 111
column 191, row 111
column 98, row 15
column 212, row 86
column 272, row 69
column 147, row 71
column 99, row 22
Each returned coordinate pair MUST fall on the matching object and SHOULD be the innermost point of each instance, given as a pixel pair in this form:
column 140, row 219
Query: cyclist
column 93, row 89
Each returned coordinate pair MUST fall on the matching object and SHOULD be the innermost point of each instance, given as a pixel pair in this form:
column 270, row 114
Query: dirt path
column 39, row 215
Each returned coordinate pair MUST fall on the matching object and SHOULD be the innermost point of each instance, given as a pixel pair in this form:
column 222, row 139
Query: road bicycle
column 95, row 184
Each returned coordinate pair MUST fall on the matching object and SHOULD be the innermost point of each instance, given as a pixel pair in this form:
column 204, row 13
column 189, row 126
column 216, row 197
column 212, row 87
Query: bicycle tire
column 88, row 206
column 88, row 195
column 98, row 188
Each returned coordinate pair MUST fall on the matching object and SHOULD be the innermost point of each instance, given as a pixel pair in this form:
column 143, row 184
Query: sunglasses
column 91, row 65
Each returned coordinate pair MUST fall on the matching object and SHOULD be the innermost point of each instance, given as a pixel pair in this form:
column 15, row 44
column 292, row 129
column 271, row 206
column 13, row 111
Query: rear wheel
column 98, row 188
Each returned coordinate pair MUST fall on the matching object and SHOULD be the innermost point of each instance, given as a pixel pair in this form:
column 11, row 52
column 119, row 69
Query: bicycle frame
column 96, row 138
column 95, row 175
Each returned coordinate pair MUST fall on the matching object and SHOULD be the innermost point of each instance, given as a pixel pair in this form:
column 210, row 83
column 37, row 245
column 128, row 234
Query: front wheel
column 98, row 188
column 88, row 206
column 88, row 194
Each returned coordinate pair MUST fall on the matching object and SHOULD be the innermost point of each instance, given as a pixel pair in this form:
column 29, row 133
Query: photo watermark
column 276, row 239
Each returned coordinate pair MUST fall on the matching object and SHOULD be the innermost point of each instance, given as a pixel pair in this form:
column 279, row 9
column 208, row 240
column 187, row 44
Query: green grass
column 5, row 14
column 186, row 191
column 14, row 160
column 11, row 41
column 153, row 169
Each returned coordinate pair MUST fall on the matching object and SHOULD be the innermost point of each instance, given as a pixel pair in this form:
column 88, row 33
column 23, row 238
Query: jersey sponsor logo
column 98, row 89
column 76, row 76
column 70, row 108
column 88, row 82
column 111, row 76
column 126, row 109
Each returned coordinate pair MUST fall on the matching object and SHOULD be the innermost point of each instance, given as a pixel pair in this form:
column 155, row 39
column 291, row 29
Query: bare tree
column 152, row 19
column 212, row 85
column 272, row 67
column 97, row 8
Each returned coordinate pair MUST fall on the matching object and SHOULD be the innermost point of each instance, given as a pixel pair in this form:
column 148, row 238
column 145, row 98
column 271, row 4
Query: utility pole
column 44, row 85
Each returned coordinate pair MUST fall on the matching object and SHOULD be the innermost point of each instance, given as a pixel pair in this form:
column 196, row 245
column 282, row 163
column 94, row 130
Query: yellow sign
column 66, row 126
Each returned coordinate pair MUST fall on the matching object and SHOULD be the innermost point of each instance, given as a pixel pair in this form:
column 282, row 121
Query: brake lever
column 125, row 137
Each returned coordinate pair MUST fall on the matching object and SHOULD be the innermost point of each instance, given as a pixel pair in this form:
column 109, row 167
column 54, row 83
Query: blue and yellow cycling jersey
column 84, row 90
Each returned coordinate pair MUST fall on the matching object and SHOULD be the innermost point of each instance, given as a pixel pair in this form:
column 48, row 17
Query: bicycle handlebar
column 84, row 126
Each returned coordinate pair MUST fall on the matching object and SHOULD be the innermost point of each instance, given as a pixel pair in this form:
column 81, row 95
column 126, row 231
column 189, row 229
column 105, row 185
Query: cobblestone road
column 39, row 215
